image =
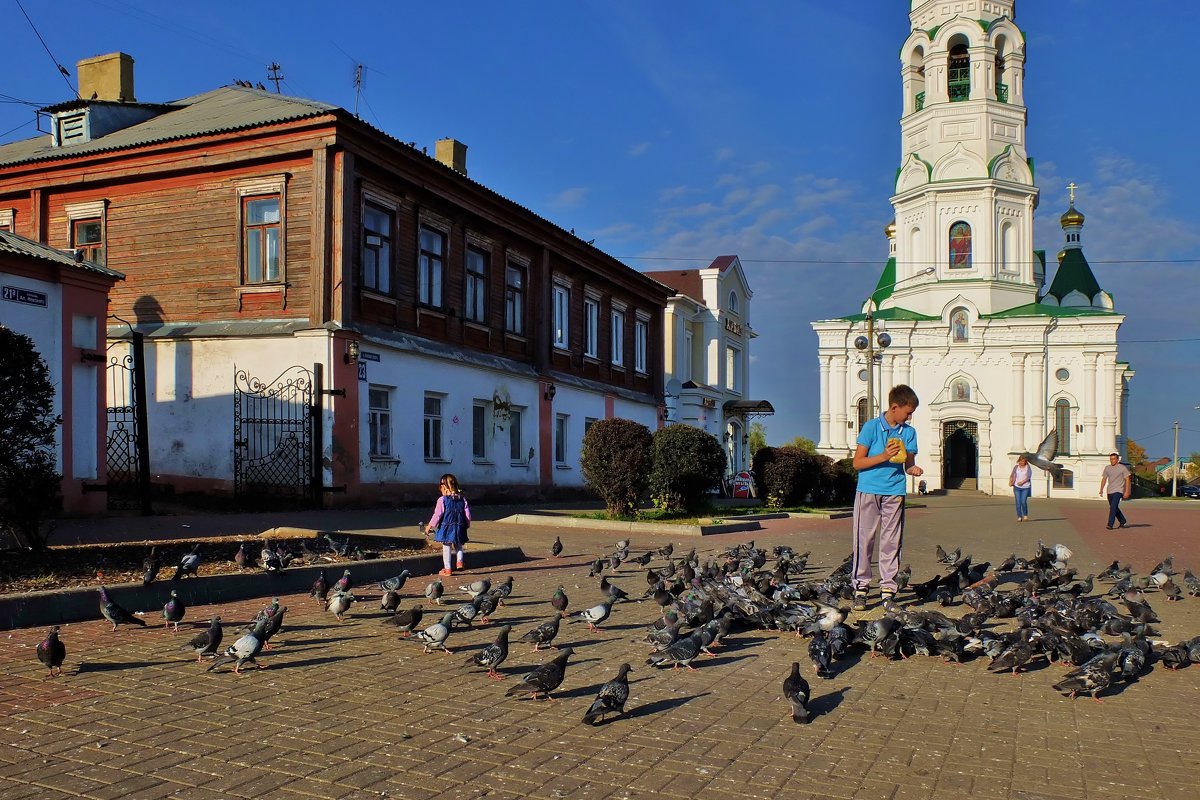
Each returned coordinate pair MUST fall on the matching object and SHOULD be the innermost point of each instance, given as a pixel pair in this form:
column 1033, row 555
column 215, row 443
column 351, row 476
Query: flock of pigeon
column 1058, row 617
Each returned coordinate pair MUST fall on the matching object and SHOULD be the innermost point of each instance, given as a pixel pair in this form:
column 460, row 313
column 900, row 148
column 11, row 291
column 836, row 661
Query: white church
column 962, row 311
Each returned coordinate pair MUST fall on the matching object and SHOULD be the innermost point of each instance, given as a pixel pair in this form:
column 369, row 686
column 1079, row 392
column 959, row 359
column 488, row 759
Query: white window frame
column 685, row 374
column 434, row 430
column 617, row 346
column 641, row 339
column 516, row 433
column 561, row 428
column 85, row 212
column 562, row 317
column 431, row 272
column 733, row 369
column 261, row 186
column 379, row 418
column 591, row 327
column 381, row 281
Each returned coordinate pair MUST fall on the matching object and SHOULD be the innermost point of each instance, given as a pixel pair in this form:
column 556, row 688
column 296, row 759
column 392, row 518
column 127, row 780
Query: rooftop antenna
column 273, row 75
column 358, row 84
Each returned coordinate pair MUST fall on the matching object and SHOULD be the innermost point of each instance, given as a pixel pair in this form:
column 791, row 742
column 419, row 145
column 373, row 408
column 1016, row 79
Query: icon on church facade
column 959, row 325
column 960, row 246
column 960, row 390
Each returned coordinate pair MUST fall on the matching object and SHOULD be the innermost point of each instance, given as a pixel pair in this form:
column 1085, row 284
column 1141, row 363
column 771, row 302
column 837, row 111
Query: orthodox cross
column 1071, row 187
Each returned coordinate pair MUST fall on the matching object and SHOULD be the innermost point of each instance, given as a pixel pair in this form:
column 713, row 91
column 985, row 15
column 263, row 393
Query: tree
column 29, row 484
column 687, row 463
column 758, row 438
column 1136, row 453
column 617, row 458
column 802, row 443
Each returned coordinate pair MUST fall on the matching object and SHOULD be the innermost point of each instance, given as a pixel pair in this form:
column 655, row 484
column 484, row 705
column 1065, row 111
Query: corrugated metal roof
column 19, row 245
column 229, row 108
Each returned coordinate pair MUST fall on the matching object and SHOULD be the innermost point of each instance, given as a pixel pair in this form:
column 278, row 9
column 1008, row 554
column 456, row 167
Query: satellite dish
column 674, row 387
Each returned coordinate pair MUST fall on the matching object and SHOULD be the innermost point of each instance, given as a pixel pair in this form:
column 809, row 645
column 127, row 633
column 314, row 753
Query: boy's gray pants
column 882, row 515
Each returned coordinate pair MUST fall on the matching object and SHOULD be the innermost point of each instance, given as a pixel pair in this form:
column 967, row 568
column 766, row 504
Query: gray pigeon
column 595, row 615
column 795, row 690
column 467, row 612
column 52, row 652
column 173, row 612
column 476, row 588
column 245, row 649
column 339, row 604
column 406, row 621
column 1044, row 457
column 434, row 592
column 1093, row 677
column 683, row 652
column 436, row 634
column 115, row 613
column 543, row 634
column 396, row 583
column 390, row 601
column 207, row 642
column 611, row 697
column 188, row 565
column 544, row 678
column 494, row 654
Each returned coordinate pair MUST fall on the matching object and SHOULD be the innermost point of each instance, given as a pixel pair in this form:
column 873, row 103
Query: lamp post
column 868, row 343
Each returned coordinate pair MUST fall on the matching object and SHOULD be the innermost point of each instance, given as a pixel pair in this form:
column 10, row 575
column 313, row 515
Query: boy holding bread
column 886, row 452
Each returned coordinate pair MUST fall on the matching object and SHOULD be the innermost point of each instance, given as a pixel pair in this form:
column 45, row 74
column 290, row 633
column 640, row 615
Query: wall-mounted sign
column 362, row 370
column 733, row 327
column 365, row 356
column 15, row 294
column 708, row 402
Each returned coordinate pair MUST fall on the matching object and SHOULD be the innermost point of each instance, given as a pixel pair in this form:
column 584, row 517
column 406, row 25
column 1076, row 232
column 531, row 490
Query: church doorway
column 960, row 455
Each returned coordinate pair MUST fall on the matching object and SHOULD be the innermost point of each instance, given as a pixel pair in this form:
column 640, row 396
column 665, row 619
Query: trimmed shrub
column 29, row 485
column 688, row 462
column 789, row 476
column 617, row 458
column 844, row 481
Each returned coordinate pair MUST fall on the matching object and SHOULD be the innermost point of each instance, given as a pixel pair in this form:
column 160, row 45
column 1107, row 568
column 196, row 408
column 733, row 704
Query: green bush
column 788, row 477
column 29, row 485
column 688, row 462
column 844, row 481
column 617, row 458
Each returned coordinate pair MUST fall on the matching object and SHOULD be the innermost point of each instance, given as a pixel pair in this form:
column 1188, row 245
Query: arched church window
column 959, row 74
column 960, row 325
column 733, row 302
column 960, row 245
column 1062, row 422
column 862, row 413
column 960, row 390
column 1008, row 245
column 916, row 61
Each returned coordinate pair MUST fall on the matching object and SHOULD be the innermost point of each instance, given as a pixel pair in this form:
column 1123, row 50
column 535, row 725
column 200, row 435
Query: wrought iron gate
column 274, row 436
column 127, row 442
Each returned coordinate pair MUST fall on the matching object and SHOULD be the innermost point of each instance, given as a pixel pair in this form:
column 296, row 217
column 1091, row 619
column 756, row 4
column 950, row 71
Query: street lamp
column 868, row 343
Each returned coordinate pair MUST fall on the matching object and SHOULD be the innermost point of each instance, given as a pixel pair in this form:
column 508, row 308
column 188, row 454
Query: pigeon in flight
column 52, row 652
column 115, row 613
column 1044, row 457
column 545, row 678
column 611, row 697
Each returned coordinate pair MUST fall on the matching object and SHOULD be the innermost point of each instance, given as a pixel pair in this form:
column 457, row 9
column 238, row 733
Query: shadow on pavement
column 820, row 706
column 118, row 665
column 313, row 662
column 659, row 706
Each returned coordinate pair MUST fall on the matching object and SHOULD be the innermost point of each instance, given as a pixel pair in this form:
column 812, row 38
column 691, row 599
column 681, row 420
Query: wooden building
column 329, row 311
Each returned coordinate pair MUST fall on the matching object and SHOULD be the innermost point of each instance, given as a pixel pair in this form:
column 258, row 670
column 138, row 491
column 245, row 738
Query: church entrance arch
column 960, row 459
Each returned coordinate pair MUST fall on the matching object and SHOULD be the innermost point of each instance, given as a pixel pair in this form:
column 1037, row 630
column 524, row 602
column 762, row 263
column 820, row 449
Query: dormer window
column 71, row 128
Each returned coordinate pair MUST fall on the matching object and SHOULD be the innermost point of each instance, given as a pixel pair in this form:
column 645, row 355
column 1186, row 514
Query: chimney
column 108, row 77
column 453, row 154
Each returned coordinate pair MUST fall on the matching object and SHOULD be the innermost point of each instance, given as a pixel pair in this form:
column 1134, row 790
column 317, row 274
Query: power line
column 66, row 76
column 917, row 265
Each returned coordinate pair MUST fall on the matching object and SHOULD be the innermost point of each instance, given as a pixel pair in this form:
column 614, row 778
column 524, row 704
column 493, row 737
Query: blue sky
column 673, row 132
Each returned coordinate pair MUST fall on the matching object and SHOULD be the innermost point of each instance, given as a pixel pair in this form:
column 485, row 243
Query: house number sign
column 15, row 294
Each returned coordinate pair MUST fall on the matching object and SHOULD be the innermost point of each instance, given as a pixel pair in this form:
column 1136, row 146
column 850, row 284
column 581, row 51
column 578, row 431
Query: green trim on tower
column 1043, row 310
column 899, row 314
column 1032, row 171
column 1073, row 275
column 932, row 32
column 887, row 282
column 998, row 156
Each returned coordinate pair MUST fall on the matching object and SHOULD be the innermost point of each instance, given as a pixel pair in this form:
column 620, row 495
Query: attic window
column 71, row 128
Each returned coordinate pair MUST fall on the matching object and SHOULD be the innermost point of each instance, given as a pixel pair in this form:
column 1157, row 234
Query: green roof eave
column 887, row 282
column 899, row 314
column 1074, row 275
column 1045, row 310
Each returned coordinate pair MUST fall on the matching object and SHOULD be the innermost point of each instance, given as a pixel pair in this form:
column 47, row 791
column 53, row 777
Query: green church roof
column 887, row 282
column 1044, row 310
column 1074, row 274
column 894, row 313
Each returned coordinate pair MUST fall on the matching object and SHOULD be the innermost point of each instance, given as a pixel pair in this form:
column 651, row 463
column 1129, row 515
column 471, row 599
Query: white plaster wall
column 44, row 327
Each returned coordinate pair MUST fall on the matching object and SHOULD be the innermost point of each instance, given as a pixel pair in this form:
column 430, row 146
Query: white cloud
column 573, row 197
column 640, row 149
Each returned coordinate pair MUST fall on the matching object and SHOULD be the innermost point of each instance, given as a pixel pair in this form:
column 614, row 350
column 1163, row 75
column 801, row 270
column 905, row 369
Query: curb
column 662, row 528
column 61, row 606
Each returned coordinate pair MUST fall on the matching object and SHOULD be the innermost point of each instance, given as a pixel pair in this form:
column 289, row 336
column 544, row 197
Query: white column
column 837, row 433
column 824, row 393
column 886, row 384
column 1037, row 391
column 1110, row 391
column 1018, row 401
column 904, row 368
column 1088, row 412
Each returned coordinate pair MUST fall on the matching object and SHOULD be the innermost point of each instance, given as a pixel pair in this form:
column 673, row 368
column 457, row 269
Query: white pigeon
column 339, row 604
column 596, row 614
column 476, row 588
column 1044, row 457
column 435, row 635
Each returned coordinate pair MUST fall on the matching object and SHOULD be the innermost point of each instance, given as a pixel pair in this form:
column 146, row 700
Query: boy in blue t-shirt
column 886, row 452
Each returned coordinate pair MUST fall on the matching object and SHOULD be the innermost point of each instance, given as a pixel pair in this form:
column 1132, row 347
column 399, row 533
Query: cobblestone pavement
column 347, row 710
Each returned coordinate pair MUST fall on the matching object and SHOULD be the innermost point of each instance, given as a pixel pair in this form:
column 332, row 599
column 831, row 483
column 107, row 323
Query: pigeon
column 666, row 550
column 611, row 697
column 683, row 652
column 1044, row 457
column 434, row 592
column 272, row 562
column 502, row 590
column 151, row 566
column 821, row 653
column 435, row 635
column 487, row 606
column 345, row 583
column 207, row 642
column 407, row 620
column 596, row 568
column 245, row 649
column 241, row 557
column 339, row 604
column 614, row 592
column 544, row 678
column 559, row 601
column 390, row 601
column 476, row 588
column 320, row 588
column 52, row 652
column 556, row 548
column 494, row 654
column 948, row 558
column 1093, row 677
column 188, row 564
column 114, row 613
column 467, row 612
column 543, row 634
column 1013, row 657
column 1176, row 656
column 396, row 583
column 663, row 638
column 173, row 612
column 796, row 692
column 595, row 615
column 623, row 544
column 274, row 624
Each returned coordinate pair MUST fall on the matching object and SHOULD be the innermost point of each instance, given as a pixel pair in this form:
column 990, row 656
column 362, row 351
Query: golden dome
column 1061, row 255
column 889, row 230
column 1071, row 217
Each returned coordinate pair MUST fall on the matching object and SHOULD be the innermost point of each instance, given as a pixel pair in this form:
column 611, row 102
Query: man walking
column 1118, row 479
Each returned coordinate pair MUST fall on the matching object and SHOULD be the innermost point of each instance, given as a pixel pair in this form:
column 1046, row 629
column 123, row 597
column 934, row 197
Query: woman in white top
column 1021, row 481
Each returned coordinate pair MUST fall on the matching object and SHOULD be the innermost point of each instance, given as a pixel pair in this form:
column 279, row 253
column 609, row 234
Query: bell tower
column 964, row 195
